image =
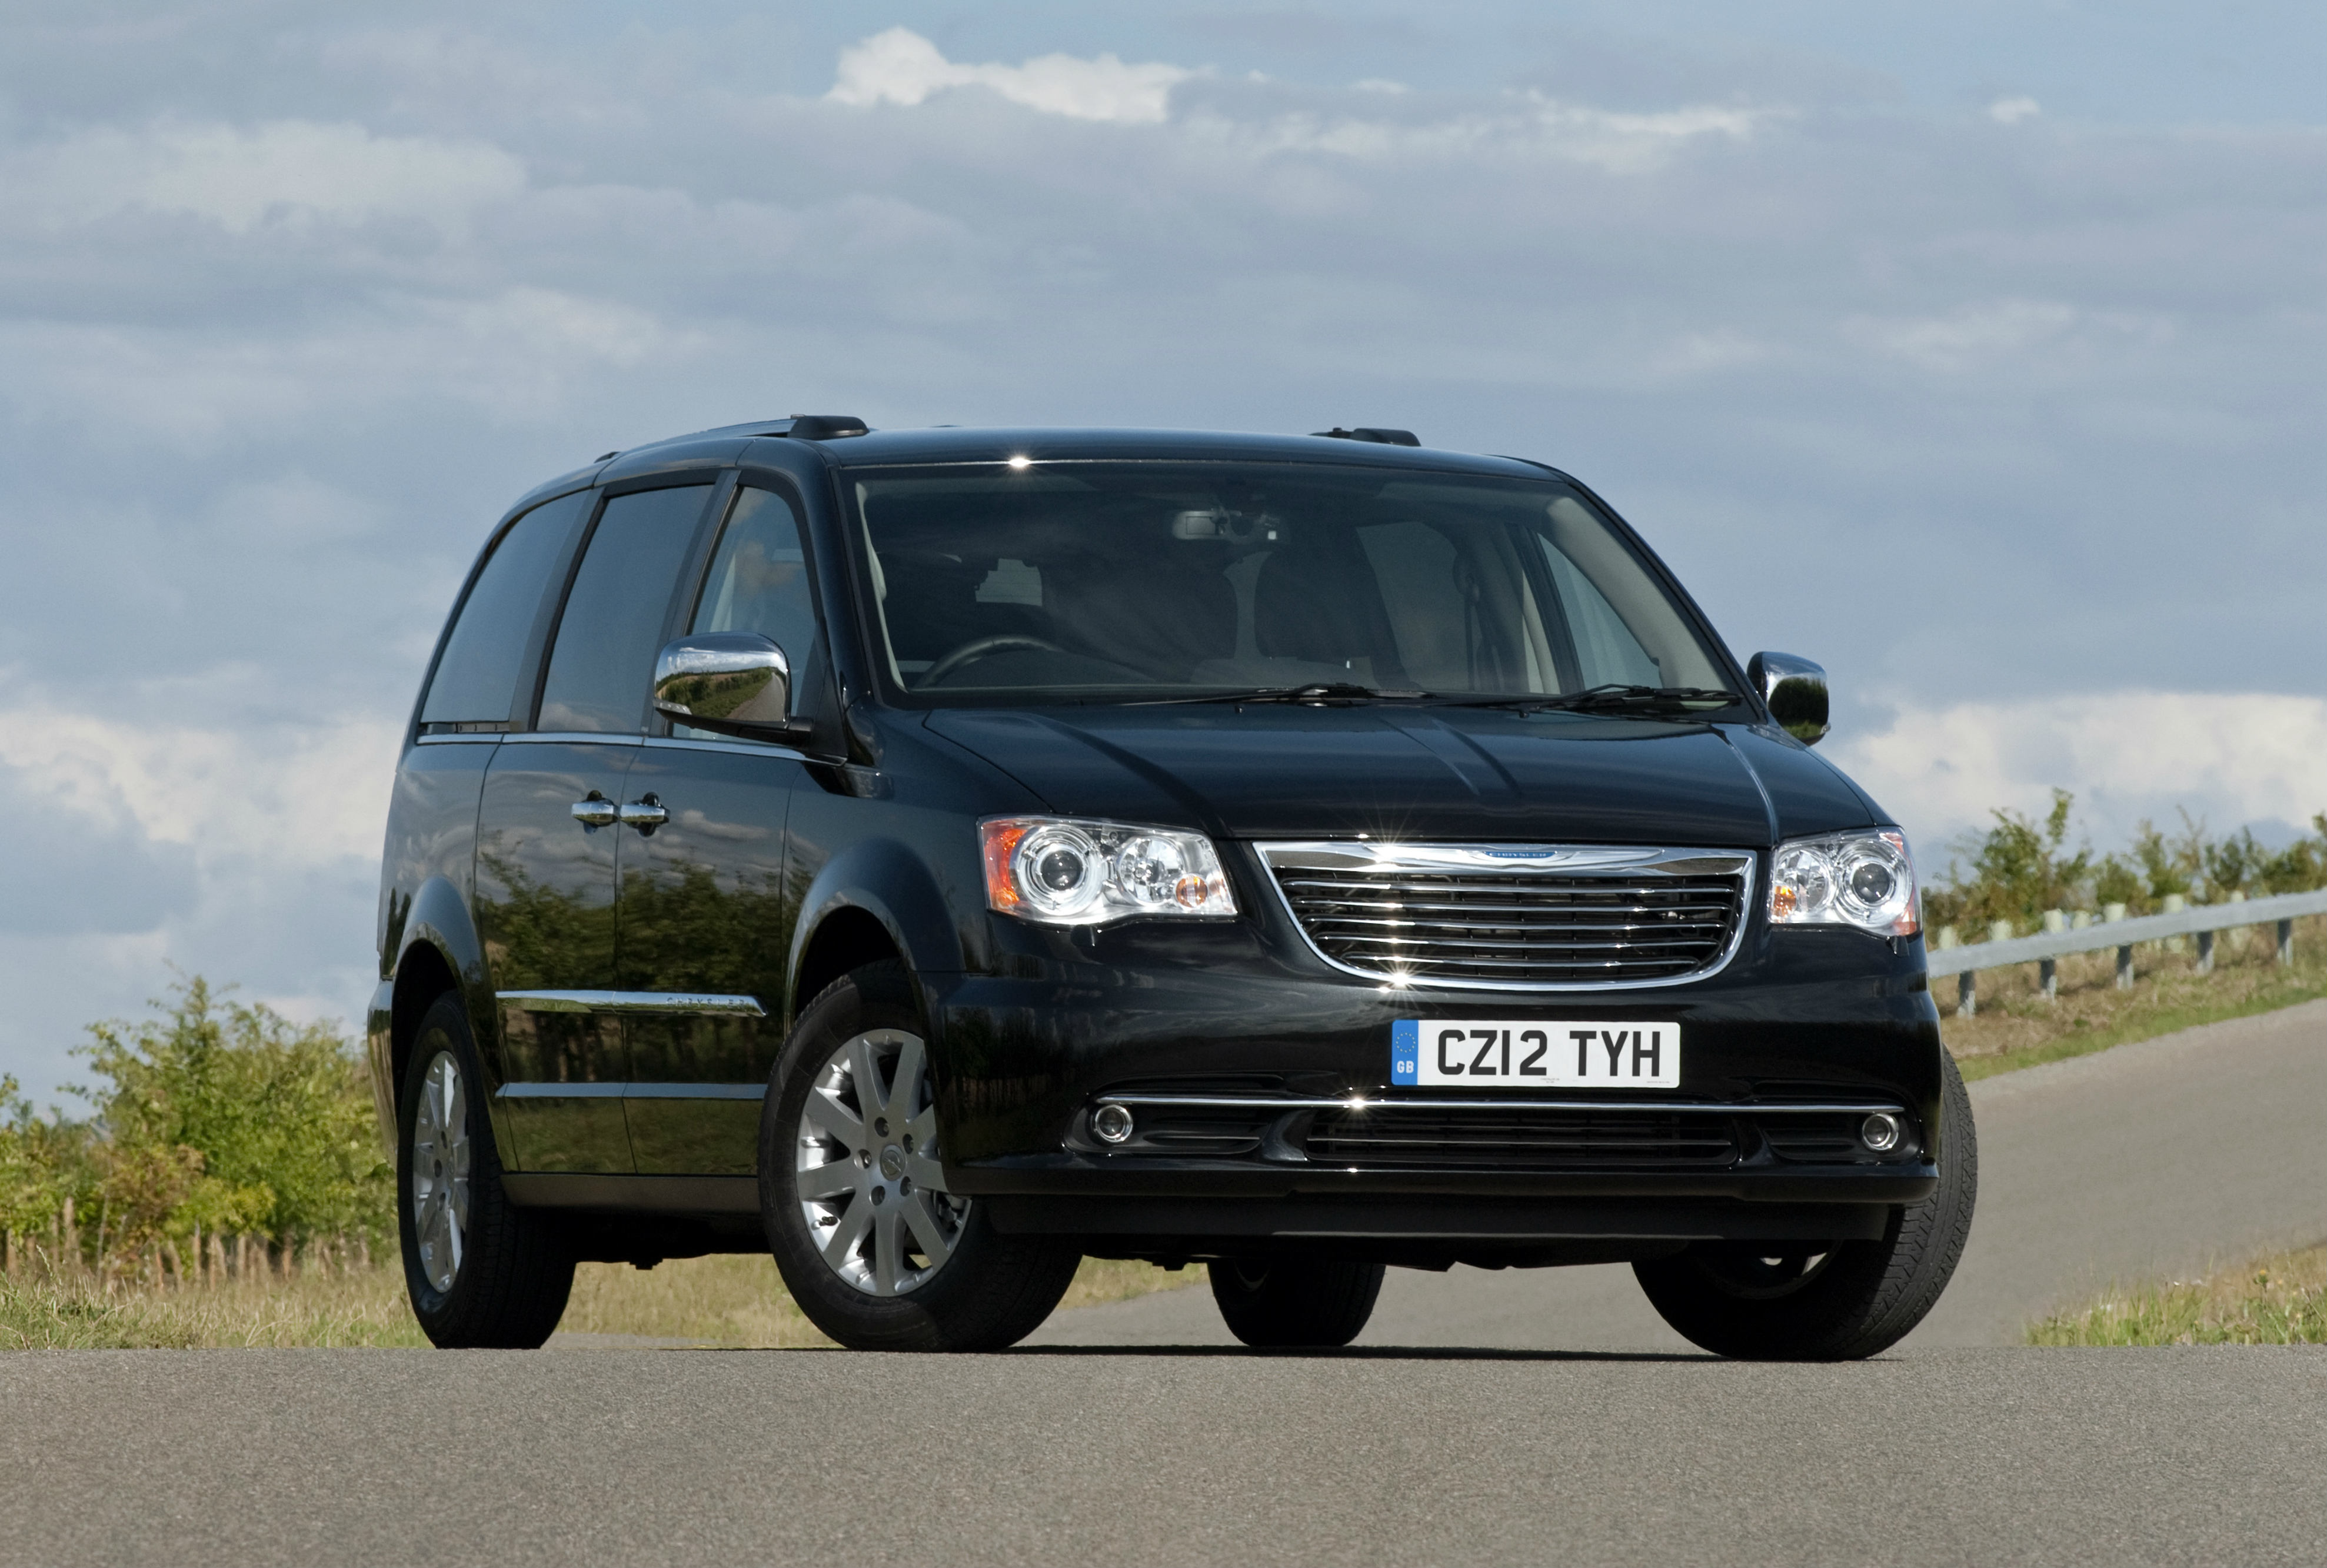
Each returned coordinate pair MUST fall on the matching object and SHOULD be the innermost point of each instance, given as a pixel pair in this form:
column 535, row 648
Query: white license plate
column 1570, row 1054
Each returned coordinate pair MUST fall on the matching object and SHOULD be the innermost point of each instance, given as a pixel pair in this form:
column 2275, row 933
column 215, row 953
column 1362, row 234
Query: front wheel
column 875, row 1250
column 1835, row 1301
column 481, row 1273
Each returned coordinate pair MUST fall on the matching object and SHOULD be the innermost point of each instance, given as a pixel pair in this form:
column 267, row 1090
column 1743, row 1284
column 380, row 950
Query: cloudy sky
column 1977, row 350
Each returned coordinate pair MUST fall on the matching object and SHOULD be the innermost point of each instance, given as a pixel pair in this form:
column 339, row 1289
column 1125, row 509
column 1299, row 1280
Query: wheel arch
column 876, row 901
column 440, row 952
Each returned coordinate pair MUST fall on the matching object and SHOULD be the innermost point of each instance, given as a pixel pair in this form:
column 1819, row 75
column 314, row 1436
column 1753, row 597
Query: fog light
column 1880, row 1131
column 1112, row 1125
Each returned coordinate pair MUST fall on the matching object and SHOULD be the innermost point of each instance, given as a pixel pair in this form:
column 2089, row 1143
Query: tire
column 1292, row 1301
column 1857, row 1299
column 852, row 1188
column 504, row 1283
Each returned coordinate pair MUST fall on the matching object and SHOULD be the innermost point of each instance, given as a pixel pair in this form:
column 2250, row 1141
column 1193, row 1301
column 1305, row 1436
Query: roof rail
column 1371, row 432
column 825, row 426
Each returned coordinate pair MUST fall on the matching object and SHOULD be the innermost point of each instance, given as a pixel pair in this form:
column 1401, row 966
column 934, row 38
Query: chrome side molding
column 698, row 1002
column 535, row 1089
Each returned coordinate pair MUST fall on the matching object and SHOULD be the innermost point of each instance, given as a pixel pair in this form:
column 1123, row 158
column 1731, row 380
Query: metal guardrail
column 2049, row 947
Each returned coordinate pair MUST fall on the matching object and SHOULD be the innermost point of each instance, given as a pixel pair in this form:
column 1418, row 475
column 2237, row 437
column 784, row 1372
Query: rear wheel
column 1832, row 1301
column 1290, row 1301
column 481, row 1273
column 875, row 1250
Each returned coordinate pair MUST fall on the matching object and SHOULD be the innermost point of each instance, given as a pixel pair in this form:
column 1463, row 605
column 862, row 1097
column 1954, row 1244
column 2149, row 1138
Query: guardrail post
column 2285, row 942
column 2205, row 952
column 2125, row 967
column 2048, row 976
column 1966, row 995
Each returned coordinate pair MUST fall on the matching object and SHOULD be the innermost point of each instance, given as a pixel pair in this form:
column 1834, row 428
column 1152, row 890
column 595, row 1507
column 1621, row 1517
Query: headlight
column 1066, row 872
column 1865, row 880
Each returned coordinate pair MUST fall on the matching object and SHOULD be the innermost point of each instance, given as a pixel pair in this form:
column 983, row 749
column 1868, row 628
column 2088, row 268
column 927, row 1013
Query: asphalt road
column 251, row 1458
column 1494, row 1434
column 2148, row 1162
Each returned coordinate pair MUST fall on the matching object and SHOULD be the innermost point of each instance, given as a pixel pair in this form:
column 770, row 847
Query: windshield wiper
column 1326, row 691
column 1611, row 697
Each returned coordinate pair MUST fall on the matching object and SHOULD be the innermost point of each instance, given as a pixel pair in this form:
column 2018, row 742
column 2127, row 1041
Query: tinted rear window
column 476, row 680
column 611, row 627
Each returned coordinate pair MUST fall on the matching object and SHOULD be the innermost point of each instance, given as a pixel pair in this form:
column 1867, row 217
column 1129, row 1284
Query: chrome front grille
column 1516, row 916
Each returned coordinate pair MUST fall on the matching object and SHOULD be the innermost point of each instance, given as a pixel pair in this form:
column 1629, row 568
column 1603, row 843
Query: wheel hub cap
column 868, row 1178
column 440, row 1171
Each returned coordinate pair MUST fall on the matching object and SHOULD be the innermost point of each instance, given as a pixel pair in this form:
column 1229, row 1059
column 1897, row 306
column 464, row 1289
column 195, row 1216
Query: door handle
column 596, row 811
column 646, row 814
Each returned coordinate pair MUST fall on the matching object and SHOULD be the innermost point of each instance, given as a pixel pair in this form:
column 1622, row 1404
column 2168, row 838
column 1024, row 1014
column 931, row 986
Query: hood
column 1272, row 770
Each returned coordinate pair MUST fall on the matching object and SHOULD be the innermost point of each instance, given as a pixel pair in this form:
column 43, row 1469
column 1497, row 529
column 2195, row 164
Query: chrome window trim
column 556, row 1091
column 693, row 1002
column 1562, row 859
column 741, row 748
column 574, row 738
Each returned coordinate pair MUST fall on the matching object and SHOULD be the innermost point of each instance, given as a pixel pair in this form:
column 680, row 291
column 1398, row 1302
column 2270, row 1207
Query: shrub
column 213, row 1117
column 2020, row 868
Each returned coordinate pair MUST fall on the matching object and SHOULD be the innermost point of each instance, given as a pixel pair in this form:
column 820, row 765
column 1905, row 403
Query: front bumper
column 1253, row 1078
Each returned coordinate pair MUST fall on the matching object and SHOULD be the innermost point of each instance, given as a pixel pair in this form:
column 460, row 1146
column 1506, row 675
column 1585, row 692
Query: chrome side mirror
column 734, row 683
column 1795, row 689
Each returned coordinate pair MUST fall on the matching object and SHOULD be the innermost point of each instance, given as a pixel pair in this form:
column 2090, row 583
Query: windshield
column 1130, row 581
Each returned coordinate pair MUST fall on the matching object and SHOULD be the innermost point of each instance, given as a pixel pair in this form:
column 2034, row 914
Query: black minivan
column 940, row 855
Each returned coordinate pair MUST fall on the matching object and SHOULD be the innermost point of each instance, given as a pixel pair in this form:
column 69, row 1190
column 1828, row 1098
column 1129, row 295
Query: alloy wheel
column 869, row 1180
column 440, row 1171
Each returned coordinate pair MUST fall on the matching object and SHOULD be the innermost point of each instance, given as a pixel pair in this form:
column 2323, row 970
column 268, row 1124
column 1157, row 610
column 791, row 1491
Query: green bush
column 213, row 1117
column 2020, row 868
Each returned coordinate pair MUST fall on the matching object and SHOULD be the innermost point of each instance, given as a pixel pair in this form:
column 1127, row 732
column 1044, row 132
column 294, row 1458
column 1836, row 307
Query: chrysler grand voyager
column 937, row 856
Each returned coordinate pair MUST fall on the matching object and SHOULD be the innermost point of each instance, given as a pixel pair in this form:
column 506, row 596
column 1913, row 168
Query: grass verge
column 2016, row 1026
column 737, row 1301
column 365, row 1308
column 2277, row 1300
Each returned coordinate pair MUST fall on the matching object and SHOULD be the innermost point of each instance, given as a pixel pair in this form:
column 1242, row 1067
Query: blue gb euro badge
column 1404, row 1049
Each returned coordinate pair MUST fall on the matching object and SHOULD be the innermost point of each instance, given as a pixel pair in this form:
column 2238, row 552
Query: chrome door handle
column 646, row 814
column 597, row 811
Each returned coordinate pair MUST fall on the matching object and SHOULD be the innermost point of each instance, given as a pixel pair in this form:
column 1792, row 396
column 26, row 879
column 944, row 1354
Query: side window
column 611, row 627
column 758, row 580
column 476, row 680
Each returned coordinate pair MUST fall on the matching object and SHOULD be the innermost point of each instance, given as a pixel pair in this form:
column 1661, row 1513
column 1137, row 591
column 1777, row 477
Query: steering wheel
column 978, row 648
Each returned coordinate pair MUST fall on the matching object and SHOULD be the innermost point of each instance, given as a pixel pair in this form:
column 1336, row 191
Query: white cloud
column 1973, row 336
column 288, row 794
column 1534, row 128
column 2229, row 758
column 239, row 178
column 901, row 67
column 2010, row 111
